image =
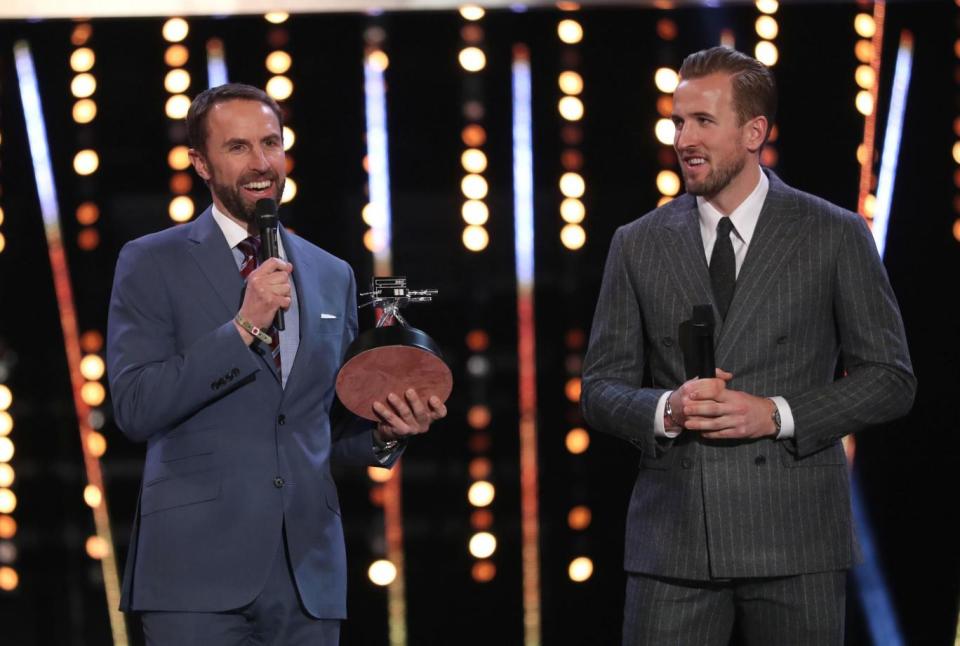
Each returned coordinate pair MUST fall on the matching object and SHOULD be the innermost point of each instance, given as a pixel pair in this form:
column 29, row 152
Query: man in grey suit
column 741, row 508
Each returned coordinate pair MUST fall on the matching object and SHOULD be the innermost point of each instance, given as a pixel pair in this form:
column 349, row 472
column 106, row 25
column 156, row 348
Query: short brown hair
column 197, row 115
column 754, row 90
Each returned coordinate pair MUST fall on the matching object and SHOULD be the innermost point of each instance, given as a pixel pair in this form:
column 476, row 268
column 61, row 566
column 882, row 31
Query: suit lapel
column 210, row 251
column 779, row 231
column 302, row 267
column 688, row 264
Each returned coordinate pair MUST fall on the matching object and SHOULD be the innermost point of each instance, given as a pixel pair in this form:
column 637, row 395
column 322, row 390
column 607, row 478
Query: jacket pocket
column 168, row 493
column 832, row 455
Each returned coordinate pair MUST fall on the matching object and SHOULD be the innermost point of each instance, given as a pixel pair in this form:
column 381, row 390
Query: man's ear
column 755, row 133
column 200, row 164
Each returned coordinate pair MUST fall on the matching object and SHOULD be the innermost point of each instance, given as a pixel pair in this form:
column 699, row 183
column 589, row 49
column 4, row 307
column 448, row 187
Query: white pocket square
column 327, row 316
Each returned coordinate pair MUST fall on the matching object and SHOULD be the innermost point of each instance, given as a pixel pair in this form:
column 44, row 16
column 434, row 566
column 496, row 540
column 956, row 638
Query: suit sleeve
column 612, row 398
column 153, row 383
column 879, row 384
column 352, row 435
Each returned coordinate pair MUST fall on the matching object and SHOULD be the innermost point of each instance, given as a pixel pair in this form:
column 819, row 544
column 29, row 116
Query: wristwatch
column 668, row 411
column 776, row 416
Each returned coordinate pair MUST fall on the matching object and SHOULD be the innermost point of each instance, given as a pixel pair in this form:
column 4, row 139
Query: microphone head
column 265, row 212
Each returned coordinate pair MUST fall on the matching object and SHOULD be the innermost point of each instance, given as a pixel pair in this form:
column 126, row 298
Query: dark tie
column 723, row 267
column 250, row 248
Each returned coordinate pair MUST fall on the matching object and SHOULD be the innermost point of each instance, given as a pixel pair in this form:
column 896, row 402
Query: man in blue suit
column 238, row 537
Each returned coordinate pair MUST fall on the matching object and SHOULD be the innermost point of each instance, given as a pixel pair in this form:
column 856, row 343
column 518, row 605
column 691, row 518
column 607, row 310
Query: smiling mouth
column 259, row 188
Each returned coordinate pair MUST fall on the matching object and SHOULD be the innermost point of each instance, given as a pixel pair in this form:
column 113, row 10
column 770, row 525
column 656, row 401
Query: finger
column 723, row 374
column 401, row 408
column 416, row 405
column 437, row 408
column 389, row 418
column 703, row 409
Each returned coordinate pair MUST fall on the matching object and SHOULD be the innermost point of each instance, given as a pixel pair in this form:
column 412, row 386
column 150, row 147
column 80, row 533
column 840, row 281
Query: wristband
column 252, row 329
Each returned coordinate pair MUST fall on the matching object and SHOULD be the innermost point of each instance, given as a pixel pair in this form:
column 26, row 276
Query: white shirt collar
column 233, row 232
column 744, row 217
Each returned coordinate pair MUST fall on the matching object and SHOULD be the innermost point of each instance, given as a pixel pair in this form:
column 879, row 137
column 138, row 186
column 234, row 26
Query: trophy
column 392, row 357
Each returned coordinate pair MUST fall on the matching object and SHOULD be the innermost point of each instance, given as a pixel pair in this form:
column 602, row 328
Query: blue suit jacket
column 232, row 458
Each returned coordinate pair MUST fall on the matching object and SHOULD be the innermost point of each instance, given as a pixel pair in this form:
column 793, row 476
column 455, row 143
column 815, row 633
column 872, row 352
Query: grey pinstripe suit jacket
column 812, row 291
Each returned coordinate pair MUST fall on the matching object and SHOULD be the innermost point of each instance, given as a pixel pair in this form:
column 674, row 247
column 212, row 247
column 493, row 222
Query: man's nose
column 258, row 159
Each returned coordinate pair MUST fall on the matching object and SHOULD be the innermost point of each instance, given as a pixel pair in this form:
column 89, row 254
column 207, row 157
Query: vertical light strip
column 280, row 88
column 868, row 106
column 9, row 577
column 891, row 140
column 377, row 215
column 666, row 80
column 176, row 82
column 473, row 184
column 216, row 63
column 375, row 93
column 766, row 52
column 46, row 190
column 571, row 108
column 526, row 348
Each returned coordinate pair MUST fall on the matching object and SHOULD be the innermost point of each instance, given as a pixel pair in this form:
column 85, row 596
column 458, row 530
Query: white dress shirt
column 744, row 219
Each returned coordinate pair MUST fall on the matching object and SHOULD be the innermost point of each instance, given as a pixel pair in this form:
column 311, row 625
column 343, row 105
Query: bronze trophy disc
column 391, row 359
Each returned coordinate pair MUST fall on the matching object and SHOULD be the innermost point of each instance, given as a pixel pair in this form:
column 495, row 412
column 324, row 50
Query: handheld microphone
column 265, row 213
column 696, row 342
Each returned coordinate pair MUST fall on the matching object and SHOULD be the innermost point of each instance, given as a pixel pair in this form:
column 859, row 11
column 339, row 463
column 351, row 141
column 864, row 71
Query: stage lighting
column 179, row 158
column 91, row 340
column 579, row 518
column 181, row 183
column 6, row 425
column 177, row 81
column 483, row 545
column 93, row 393
column 8, row 526
column 83, row 85
column 373, row 216
column 176, row 55
column 767, row 27
column 863, row 50
column 8, row 579
column 573, row 236
column 664, row 200
column 570, row 31
column 92, row 495
column 472, row 59
column 572, row 185
column 480, row 468
column 84, row 111
column 481, row 494
column 7, row 476
column 8, row 500
column 82, row 60
column 956, row 152
column 572, row 210
column 475, row 238
column 570, row 82
column 6, row 397
column 96, row 444
column 97, row 548
column 81, row 34
column 378, row 60
column 483, row 571
column 665, row 131
column 379, row 474
column 864, row 103
column 577, row 441
column 478, row 366
column 276, row 17
column 865, row 76
column 864, row 25
column 581, row 569
column 279, row 87
column 175, row 30
column 474, row 187
column 666, row 29
column 278, row 62
column 473, row 160
column 3, row 242
column 766, row 52
column 767, row 6
column 181, row 208
column 86, row 162
column 869, row 205
column 668, row 182
column 375, row 240
column 571, row 108
column 382, row 572
column 289, row 191
column 666, row 80
column 479, row 416
column 177, row 106
column 474, row 135
column 475, row 212
column 472, row 12
column 92, row 367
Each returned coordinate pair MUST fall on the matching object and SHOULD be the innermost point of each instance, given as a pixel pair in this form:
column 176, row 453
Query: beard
column 230, row 197
column 717, row 179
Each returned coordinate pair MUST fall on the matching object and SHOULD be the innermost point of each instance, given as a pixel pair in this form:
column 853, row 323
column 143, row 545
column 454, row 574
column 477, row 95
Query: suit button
column 686, row 463
column 782, row 340
column 760, row 460
column 667, row 341
column 278, row 482
column 282, row 420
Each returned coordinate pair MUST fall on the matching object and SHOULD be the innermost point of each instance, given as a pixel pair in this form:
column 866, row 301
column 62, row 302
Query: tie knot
column 249, row 247
column 724, row 227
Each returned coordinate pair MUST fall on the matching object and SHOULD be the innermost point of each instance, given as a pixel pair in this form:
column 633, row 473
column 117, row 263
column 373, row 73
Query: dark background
column 908, row 469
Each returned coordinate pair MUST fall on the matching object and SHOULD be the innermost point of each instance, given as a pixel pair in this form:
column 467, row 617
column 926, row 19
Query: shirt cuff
column 658, row 428
column 787, row 426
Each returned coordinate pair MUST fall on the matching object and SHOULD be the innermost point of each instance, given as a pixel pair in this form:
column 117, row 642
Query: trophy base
column 391, row 360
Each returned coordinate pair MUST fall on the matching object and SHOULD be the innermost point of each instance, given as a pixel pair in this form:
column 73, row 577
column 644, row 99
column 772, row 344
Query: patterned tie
column 250, row 248
column 723, row 267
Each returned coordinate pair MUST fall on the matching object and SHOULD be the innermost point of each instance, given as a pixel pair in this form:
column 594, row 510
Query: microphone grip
column 706, row 368
column 270, row 248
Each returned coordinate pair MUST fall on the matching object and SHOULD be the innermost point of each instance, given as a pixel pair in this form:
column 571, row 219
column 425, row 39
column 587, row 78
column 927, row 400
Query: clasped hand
column 402, row 417
column 708, row 407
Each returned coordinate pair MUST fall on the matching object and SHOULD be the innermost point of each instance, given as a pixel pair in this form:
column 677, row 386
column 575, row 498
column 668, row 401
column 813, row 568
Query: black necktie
column 723, row 267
